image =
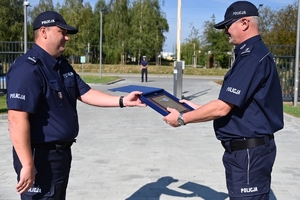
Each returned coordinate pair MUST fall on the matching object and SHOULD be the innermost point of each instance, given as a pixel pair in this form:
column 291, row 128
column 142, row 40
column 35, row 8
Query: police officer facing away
column 42, row 91
column 248, row 110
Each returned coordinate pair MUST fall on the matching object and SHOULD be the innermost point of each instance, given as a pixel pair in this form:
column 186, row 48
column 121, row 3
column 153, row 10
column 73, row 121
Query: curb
column 118, row 80
column 3, row 116
column 290, row 118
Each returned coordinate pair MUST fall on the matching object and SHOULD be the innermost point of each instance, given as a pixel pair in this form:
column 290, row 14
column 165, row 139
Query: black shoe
column 142, row 81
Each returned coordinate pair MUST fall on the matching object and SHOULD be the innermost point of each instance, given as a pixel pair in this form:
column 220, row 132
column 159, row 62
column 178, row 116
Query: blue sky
column 195, row 12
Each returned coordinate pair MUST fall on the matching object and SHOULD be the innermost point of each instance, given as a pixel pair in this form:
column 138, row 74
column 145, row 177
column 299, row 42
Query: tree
column 95, row 29
column 279, row 27
column 285, row 22
column 116, row 31
column 190, row 48
column 147, row 24
column 266, row 16
column 215, row 44
column 12, row 20
column 76, row 14
column 42, row 6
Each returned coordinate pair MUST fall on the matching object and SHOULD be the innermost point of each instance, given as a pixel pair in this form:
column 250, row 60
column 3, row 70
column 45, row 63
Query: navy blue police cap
column 51, row 18
column 237, row 10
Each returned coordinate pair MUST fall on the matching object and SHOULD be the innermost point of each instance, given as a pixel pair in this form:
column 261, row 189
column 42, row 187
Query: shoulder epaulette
column 247, row 51
column 63, row 60
column 32, row 60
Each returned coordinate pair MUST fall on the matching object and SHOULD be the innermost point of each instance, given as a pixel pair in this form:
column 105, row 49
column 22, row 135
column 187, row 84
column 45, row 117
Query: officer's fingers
column 183, row 101
column 23, row 186
column 169, row 109
column 137, row 93
column 20, row 186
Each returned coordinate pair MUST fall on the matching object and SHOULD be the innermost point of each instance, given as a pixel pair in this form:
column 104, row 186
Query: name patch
column 233, row 90
column 35, row 190
column 32, row 59
column 249, row 190
column 68, row 74
column 48, row 21
column 239, row 12
column 17, row 96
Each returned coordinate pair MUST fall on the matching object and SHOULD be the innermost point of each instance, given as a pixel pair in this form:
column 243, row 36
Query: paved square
column 130, row 153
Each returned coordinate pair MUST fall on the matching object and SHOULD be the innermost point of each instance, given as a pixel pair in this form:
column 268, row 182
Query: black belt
column 53, row 145
column 247, row 143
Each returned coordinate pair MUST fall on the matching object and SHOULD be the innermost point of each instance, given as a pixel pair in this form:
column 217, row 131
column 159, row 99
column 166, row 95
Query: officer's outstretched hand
column 133, row 99
column 171, row 118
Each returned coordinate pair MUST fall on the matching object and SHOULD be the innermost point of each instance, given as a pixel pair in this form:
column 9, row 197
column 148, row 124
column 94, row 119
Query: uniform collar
column 247, row 44
column 46, row 58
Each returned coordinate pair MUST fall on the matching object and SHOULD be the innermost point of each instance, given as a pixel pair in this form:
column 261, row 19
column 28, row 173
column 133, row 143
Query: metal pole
column 100, row 57
column 177, row 88
column 194, row 56
column 296, row 82
column 178, row 29
column 25, row 4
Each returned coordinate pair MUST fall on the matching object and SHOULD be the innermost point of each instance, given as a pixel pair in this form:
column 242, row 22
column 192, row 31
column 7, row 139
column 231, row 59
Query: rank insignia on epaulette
column 31, row 59
column 59, row 94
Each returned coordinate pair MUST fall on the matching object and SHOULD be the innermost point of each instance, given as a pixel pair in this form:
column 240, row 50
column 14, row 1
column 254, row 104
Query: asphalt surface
column 131, row 153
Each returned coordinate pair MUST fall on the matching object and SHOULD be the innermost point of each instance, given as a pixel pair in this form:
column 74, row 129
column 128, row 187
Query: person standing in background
column 144, row 69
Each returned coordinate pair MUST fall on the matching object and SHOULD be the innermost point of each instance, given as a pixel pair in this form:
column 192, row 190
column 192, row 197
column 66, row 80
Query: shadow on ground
column 193, row 96
column 154, row 191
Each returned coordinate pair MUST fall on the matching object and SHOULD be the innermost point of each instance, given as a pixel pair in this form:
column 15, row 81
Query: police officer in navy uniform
column 42, row 91
column 248, row 110
column 144, row 69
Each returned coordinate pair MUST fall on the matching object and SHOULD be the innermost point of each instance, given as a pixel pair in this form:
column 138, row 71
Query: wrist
column 180, row 120
column 121, row 102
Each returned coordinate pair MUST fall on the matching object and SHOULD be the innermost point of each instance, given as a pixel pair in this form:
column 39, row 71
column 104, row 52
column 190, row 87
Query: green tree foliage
column 94, row 34
column 116, row 31
column 44, row 5
column 136, row 27
column 215, row 45
column 266, row 16
column 77, row 14
column 191, row 47
column 11, row 20
column 279, row 26
column 147, row 26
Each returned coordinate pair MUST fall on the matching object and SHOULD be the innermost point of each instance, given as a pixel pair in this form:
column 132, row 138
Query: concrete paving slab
column 130, row 153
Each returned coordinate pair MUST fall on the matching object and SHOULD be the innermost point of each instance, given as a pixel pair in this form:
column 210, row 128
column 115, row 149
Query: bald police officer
column 42, row 91
column 248, row 110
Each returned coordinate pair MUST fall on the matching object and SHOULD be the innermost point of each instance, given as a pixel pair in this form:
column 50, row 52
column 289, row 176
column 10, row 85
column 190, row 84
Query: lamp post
column 25, row 4
column 194, row 56
column 179, row 65
column 100, row 45
column 296, row 83
column 178, row 29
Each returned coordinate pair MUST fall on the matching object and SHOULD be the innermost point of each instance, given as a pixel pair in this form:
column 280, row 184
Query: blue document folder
column 160, row 100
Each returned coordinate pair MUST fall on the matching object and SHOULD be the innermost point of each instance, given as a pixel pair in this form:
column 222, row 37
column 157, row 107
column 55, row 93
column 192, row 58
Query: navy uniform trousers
column 52, row 173
column 248, row 171
column 144, row 72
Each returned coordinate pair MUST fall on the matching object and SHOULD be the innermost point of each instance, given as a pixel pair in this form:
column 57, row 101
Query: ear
column 43, row 32
column 245, row 24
